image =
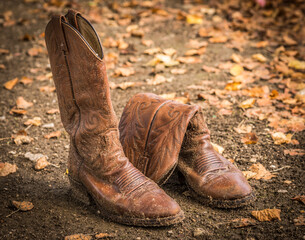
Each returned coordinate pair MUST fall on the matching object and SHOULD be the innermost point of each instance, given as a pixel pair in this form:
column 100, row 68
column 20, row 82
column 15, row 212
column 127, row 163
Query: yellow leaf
column 267, row 214
column 280, row 138
column 236, row 70
column 194, row 19
column 259, row 57
column 298, row 65
column 247, row 103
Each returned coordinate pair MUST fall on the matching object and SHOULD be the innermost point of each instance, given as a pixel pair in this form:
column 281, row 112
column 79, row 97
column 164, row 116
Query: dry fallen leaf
column 236, row 70
column 258, row 171
column 298, row 65
column 22, row 103
column 26, row 80
column 152, row 51
column 104, row 235
column 41, row 163
column 267, row 214
column 162, row 59
column 250, row 138
column 169, row 96
column 47, row 89
column 178, row 71
column 10, row 84
column 280, row 138
column 294, row 152
column 243, row 222
column 35, row 51
column 78, row 237
column 23, row 206
column 259, row 57
column 194, row 19
column 36, row 121
column 236, row 58
column 125, row 72
column 125, row 85
column 217, row 148
column 210, row 69
column 169, row 51
column 189, row 60
column 158, row 79
column 53, row 111
column 55, row 134
column 300, row 198
column 243, row 129
column 247, row 103
column 7, row 168
column 218, row 39
column 17, row 111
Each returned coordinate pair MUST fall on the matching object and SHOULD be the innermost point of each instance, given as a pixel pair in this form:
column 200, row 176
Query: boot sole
column 80, row 193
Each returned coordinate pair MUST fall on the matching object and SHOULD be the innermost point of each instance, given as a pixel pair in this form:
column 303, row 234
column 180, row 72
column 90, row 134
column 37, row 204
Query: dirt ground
column 169, row 25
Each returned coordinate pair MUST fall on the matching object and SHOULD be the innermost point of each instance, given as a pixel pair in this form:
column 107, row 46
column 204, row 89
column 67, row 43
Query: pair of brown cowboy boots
column 157, row 136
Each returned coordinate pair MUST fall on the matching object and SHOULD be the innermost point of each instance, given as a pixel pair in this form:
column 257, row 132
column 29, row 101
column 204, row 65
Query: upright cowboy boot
column 97, row 165
column 155, row 133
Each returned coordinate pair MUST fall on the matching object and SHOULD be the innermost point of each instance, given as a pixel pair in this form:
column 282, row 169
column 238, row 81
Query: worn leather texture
column 96, row 160
column 158, row 134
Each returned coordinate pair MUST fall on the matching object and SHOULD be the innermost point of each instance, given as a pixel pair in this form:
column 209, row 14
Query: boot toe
column 227, row 186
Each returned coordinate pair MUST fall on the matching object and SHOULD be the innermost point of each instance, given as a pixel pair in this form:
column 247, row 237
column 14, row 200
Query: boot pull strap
column 59, row 32
column 71, row 17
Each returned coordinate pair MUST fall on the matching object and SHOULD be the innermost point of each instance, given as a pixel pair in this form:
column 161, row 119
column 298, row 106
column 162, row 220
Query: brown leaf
column 23, row 206
column 225, row 112
column 52, row 111
column 258, row 171
column 243, row 129
column 55, row 134
column 36, row 121
column 289, row 41
column 158, row 79
column 267, row 214
column 189, row 60
column 7, row 168
column 193, row 52
column 294, row 152
column 9, row 85
column 243, row 222
column 47, row 89
column 152, row 51
column 35, row 51
column 250, row 138
column 21, row 139
column 4, row 51
column 147, row 42
column 125, row 85
column 26, row 80
column 261, row 44
column 104, row 235
column 17, row 111
column 22, row 103
column 169, row 51
column 236, row 58
column 178, row 71
column 210, row 69
column 300, row 198
column 78, row 237
column 218, row 39
column 125, row 72
column 41, row 163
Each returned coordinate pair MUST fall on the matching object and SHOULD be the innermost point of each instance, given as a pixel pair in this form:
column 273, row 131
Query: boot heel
column 79, row 192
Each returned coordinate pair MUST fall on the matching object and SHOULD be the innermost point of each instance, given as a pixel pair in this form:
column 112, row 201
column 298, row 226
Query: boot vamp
column 128, row 192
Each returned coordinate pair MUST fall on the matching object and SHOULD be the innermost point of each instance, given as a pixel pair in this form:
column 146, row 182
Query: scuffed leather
column 177, row 131
column 96, row 158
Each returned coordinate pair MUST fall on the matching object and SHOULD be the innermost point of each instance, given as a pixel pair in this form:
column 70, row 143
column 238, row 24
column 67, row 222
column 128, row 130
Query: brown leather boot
column 156, row 132
column 97, row 165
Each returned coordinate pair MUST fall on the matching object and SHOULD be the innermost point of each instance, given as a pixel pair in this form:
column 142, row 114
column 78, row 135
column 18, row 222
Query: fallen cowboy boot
column 155, row 133
column 98, row 168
